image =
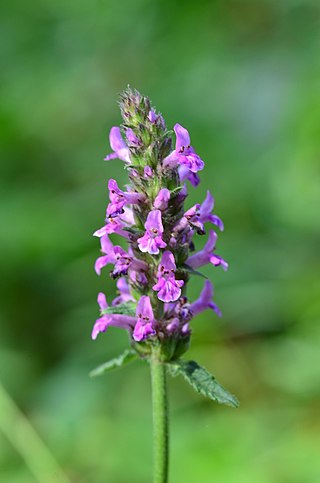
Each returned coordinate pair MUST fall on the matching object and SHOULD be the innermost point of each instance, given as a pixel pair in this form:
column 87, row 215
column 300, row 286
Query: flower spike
column 156, row 259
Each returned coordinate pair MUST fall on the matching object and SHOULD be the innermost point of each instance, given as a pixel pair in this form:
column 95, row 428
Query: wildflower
column 119, row 198
column 144, row 327
column 152, row 241
column 116, row 320
column 205, row 301
column 150, row 215
column 154, row 266
column 168, row 288
column 117, row 256
column 162, row 199
column 207, row 255
column 184, row 154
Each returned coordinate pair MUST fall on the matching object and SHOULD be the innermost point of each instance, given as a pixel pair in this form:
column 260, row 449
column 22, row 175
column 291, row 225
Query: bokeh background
column 244, row 77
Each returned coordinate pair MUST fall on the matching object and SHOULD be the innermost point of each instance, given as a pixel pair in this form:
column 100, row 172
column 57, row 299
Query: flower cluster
column 153, row 271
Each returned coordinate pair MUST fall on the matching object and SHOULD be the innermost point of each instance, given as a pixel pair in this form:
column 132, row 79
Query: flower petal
column 183, row 138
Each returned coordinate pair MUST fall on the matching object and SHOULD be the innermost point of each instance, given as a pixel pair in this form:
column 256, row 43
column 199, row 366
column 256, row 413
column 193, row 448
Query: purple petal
column 100, row 325
column 143, row 331
column 192, row 161
column 116, row 141
column 162, row 198
column 167, row 261
column 215, row 220
column 193, row 178
column 185, row 329
column 152, row 116
column 150, row 245
column 207, row 206
column 132, row 138
column 144, row 308
column 154, row 222
column 172, row 160
column 118, row 145
column 101, row 232
column 102, row 301
column 148, row 172
column 173, row 325
column 203, row 256
column 106, row 245
column 124, row 292
column 114, row 320
column 169, row 290
column 216, row 260
column 182, row 135
column 102, row 262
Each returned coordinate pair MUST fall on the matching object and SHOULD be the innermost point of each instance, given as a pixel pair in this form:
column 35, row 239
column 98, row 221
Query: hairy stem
column 160, row 420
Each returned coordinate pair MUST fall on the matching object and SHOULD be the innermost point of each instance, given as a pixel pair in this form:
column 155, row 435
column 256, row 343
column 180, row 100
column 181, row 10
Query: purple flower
column 119, row 198
column 206, row 255
column 138, row 277
column 122, row 262
column 152, row 116
column 116, row 320
column 185, row 173
column 108, row 249
column 156, row 119
column 191, row 219
column 124, row 292
column 113, row 225
column 173, row 325
column 148, row 172
column 144, row 327
column 119, row 257
column 168, row 288
column 205, row 212
column 132, row 138
column 117, row 224
column 184, row 154
column 162, row 199
column 197, row 216
column 152, row 239
column 153, row 265
column 118, row 145
column 205, row 301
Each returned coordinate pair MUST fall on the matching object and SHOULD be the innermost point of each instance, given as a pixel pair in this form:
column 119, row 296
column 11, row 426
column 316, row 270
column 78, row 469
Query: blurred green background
column 243, row 77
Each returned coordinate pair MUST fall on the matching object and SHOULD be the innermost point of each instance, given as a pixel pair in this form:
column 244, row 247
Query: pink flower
column 168, row 288
column 152, row 239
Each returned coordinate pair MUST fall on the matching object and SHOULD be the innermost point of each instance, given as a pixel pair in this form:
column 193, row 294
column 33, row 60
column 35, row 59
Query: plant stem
column 160, row 420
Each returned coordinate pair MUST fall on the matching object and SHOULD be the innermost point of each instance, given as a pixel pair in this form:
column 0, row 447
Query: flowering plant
column 152, row 273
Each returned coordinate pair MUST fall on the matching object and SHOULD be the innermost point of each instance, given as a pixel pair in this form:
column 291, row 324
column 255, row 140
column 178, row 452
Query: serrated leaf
column 203, row 382
column 194, row 272
column 128, row 308
column 123, row 359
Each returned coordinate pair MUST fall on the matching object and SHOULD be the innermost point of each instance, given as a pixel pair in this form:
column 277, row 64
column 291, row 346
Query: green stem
column 160, row 420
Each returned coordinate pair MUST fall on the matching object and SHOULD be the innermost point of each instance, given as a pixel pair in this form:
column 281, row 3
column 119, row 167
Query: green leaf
column 134, row 230
column 202, row 381
column 194, row 272
column 123, row 359
column 176, row 190
column 128, row 308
